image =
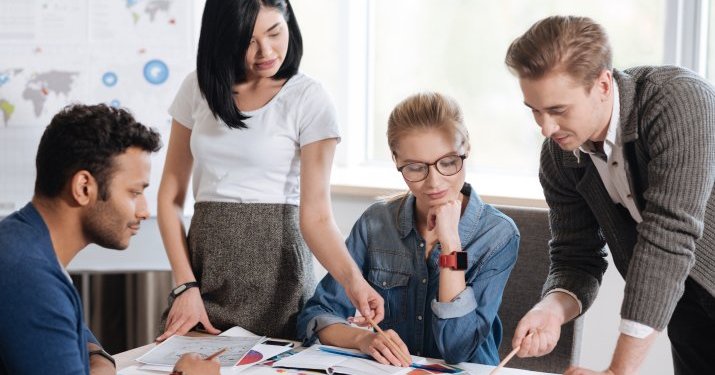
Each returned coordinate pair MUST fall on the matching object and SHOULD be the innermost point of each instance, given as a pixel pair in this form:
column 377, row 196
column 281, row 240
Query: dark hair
column 577, row 45
column 87, row 137
column 226, row 31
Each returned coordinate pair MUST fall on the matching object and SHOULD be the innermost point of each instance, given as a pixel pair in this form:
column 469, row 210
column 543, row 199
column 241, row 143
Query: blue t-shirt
column 41, row 325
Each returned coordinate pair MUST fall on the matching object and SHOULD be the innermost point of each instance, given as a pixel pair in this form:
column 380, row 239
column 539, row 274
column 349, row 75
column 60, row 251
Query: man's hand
column 537, row 333
column 366, row 299
column 544, row 322
column 627, row 358
column 583, row 371
column 187, row 311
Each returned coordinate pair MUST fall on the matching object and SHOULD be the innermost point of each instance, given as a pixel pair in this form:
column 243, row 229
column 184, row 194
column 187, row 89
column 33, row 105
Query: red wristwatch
column 456, row 260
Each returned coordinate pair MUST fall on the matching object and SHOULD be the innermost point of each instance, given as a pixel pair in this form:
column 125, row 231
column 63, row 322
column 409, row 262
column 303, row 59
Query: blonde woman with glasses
column 438, row 255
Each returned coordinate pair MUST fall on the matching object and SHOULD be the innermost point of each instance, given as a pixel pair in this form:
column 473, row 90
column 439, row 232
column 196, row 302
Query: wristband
column 182, row 288
column 104, row 354
column 456, row 260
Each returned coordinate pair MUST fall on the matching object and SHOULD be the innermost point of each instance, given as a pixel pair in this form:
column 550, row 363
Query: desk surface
column 127, row 359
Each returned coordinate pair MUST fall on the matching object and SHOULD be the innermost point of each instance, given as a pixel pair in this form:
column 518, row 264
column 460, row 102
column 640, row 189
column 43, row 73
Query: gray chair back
column 523, row 291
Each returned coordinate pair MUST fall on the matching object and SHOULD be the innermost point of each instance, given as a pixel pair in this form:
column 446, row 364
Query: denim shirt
column 389, row 250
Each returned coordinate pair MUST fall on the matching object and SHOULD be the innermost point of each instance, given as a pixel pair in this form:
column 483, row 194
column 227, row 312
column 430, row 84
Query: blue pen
column 430, row 366
column 344, row 352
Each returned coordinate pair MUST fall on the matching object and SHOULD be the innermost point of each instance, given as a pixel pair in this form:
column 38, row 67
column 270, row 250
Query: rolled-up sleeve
column 317, row 323
column 461, row 305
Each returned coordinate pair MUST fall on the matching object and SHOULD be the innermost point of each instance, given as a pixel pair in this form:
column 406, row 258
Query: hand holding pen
column 194, row 363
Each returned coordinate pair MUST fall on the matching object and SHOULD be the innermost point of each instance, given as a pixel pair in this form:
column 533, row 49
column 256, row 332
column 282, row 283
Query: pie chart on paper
column 251, row 357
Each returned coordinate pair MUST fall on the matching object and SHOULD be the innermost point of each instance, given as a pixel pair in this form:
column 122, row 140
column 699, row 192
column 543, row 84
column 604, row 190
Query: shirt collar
column 613, row 129
column 30, row 214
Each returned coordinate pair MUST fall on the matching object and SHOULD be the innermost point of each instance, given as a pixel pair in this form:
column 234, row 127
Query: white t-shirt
column 260, row 164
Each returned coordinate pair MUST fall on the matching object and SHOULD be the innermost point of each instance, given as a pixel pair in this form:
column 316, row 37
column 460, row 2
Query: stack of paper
column 352, row 362
column 243, row 351
column 168, row 352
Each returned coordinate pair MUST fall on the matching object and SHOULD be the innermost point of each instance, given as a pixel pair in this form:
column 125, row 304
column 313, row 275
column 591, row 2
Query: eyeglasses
column 446, row 166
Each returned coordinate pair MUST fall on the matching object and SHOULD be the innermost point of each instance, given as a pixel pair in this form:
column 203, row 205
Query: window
column 458, row 48
column 370, row 54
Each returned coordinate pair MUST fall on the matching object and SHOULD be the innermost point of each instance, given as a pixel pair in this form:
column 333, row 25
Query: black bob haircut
column 226, row 31
column 87, row 137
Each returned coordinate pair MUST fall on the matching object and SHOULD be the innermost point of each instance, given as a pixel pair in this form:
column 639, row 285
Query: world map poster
column 132, row 54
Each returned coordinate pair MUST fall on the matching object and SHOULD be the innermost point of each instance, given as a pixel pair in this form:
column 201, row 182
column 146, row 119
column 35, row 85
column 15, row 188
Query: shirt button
column 629, row 196
column 424, row 281
column 422, row 244
column 615, row 163
column 419, row 317
column 384, row 283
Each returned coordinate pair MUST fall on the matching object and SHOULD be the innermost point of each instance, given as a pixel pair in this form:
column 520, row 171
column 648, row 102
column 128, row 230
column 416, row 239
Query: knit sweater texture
column 667, row 121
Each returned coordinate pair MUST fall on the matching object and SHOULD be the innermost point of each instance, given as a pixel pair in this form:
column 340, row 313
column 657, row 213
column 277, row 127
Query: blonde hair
column 577, row 45
column 425, row 111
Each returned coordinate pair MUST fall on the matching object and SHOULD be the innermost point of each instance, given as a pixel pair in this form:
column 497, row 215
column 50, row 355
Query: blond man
column 629, row 162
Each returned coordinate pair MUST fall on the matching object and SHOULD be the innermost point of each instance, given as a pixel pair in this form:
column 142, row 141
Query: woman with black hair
column 259, row 137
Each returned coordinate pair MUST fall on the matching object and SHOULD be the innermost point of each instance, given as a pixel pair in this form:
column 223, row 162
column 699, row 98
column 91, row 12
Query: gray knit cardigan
column 667, row 121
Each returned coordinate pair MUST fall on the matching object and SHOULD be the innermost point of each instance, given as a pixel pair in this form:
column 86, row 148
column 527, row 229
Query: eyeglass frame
column 462, row 157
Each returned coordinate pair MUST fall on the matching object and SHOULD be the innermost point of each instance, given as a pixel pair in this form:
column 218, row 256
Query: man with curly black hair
column 93, row 164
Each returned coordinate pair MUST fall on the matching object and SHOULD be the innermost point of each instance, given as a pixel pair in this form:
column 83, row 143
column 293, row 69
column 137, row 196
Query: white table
column 127, row 359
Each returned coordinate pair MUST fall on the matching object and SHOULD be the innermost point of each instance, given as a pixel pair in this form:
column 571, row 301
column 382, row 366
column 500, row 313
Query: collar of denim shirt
column 467, row 223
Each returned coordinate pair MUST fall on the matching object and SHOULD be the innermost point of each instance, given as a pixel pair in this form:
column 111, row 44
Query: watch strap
column 182, row 288
column 103, row 353
column 456, row 260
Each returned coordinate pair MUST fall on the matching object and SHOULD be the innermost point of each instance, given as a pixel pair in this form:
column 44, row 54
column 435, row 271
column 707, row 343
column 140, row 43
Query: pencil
column 216, row 354
column 508, row 357
column 392, row 345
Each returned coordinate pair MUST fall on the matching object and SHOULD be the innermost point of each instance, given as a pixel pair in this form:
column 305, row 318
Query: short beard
column 103, row 227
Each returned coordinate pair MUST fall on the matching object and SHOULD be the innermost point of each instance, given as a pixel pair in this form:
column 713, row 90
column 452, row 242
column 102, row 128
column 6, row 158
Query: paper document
column 258, row 354
column 315, row 359
column 477, row 369
column 417, row 361
column 168, row 352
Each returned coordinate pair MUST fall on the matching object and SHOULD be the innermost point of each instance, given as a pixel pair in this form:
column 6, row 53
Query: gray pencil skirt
column 253, row 267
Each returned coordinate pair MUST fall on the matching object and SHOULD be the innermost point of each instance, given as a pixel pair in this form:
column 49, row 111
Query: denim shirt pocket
column 392, row 286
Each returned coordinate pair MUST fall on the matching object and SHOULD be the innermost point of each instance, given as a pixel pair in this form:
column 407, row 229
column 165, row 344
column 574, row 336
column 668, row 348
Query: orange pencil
column 508, row 357
column 218, row 353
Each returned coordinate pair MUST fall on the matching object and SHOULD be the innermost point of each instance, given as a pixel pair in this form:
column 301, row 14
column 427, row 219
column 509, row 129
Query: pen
column 344, row 352
column 508, row 357
column 216, row 354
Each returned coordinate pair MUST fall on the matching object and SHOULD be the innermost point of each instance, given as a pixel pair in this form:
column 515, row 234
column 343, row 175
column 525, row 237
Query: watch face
column 461, row 260
column 179, row 289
